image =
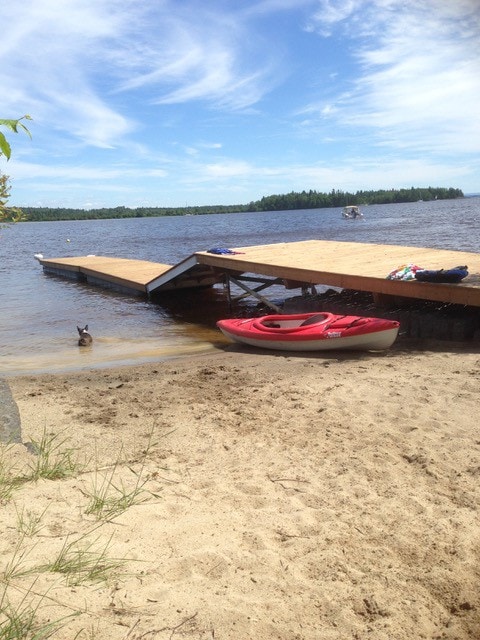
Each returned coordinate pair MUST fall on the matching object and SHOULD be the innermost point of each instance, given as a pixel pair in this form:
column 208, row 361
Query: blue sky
column 197, row 102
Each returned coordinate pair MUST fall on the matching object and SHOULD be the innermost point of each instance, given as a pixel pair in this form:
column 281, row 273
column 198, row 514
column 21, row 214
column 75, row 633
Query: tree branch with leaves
column 9, row 214
column 13, row 125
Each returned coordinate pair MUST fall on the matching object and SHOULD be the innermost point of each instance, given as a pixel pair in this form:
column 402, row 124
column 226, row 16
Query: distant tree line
column 294, row 200
column 337, row 198
column 44, row 214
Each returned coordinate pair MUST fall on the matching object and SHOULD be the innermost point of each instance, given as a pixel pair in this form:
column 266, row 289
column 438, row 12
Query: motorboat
column 312, row 332
column 352, row 212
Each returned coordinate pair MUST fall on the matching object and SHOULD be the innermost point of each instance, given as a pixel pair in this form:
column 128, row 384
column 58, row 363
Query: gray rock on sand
column 10, row 424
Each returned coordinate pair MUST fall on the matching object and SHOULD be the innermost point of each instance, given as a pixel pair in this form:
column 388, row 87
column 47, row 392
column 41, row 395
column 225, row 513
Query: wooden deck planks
column 134, row 274
column 346, row 258
column 359, row 266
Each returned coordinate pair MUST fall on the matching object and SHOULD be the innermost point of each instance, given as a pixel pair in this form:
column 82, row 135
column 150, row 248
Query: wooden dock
column 347, row 265
column 129, row 276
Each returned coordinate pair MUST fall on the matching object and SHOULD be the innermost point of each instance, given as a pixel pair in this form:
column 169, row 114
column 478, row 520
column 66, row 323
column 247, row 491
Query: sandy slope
column 286, row 497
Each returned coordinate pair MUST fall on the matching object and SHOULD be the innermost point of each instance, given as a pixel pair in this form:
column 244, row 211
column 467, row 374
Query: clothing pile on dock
column 414, row 272
column 404, row 272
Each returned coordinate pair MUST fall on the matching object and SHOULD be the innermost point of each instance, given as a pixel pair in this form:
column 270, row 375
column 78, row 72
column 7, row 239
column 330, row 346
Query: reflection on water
column 39, row 313
column 105, row 353
column 125, row 331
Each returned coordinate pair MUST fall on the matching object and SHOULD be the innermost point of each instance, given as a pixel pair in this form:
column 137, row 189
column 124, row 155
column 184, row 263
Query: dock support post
column 229, row 290
column 254, row 292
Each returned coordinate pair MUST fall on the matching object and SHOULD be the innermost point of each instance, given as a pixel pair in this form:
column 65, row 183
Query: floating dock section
column 130, row 276
column 347, row 265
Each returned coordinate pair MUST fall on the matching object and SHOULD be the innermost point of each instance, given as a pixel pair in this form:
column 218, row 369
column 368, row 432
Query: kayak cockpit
column 291, row 323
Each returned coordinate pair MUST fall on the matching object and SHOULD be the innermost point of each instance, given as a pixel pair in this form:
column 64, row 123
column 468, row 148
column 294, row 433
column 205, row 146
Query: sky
column 162, row 103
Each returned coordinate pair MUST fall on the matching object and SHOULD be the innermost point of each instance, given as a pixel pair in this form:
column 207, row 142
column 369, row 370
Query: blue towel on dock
column 220, row 251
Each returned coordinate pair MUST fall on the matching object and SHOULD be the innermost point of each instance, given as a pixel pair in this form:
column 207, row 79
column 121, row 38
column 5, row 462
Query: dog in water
column 85, row 339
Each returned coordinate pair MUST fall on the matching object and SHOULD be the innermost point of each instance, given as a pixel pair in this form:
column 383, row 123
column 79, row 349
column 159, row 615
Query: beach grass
column 9, row 480
column 83, row 559
column 29, row 523
column 53, row 460
column 110, row 496
column 21, row 623
column 7, row 485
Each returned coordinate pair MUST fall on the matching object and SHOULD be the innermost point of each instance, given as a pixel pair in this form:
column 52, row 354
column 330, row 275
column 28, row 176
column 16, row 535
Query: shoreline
column 283, row 495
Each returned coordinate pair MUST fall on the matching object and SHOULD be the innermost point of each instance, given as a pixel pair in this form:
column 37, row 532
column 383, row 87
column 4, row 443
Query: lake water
column 39, row 313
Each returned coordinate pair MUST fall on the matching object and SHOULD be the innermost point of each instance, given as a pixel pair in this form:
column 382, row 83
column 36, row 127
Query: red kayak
column 312, row 332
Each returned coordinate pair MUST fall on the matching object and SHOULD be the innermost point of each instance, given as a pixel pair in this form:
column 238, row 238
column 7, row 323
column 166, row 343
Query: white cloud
column 419, row 85
column 49, row 57
column 225, row 181
column 99, row 174
column 211, row 145
column 71, row 62
column 228, row 169
column 330, row 13
column 359, row 173
column 201, row 54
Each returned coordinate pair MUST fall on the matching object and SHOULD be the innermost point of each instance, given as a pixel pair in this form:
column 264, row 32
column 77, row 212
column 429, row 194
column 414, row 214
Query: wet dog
column 85, row 339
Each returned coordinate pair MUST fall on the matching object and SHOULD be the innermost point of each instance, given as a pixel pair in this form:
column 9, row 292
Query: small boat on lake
column 352, row 212
column 312, row 332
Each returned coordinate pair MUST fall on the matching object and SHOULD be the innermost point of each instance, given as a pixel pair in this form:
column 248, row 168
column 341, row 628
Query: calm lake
column 39, row 313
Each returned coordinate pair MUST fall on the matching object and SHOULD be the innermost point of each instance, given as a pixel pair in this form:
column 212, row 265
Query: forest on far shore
column 290, row 201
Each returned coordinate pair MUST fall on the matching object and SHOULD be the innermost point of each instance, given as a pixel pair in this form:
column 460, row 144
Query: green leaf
column 25, row 129
column 14, row 124
column 11, row 124
column 4, row 146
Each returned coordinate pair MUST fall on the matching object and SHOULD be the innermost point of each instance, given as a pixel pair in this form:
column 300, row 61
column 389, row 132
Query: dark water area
column 39, row 313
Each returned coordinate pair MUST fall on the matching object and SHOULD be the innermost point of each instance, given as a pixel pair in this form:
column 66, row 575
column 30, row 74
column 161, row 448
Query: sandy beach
column 248, row 495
